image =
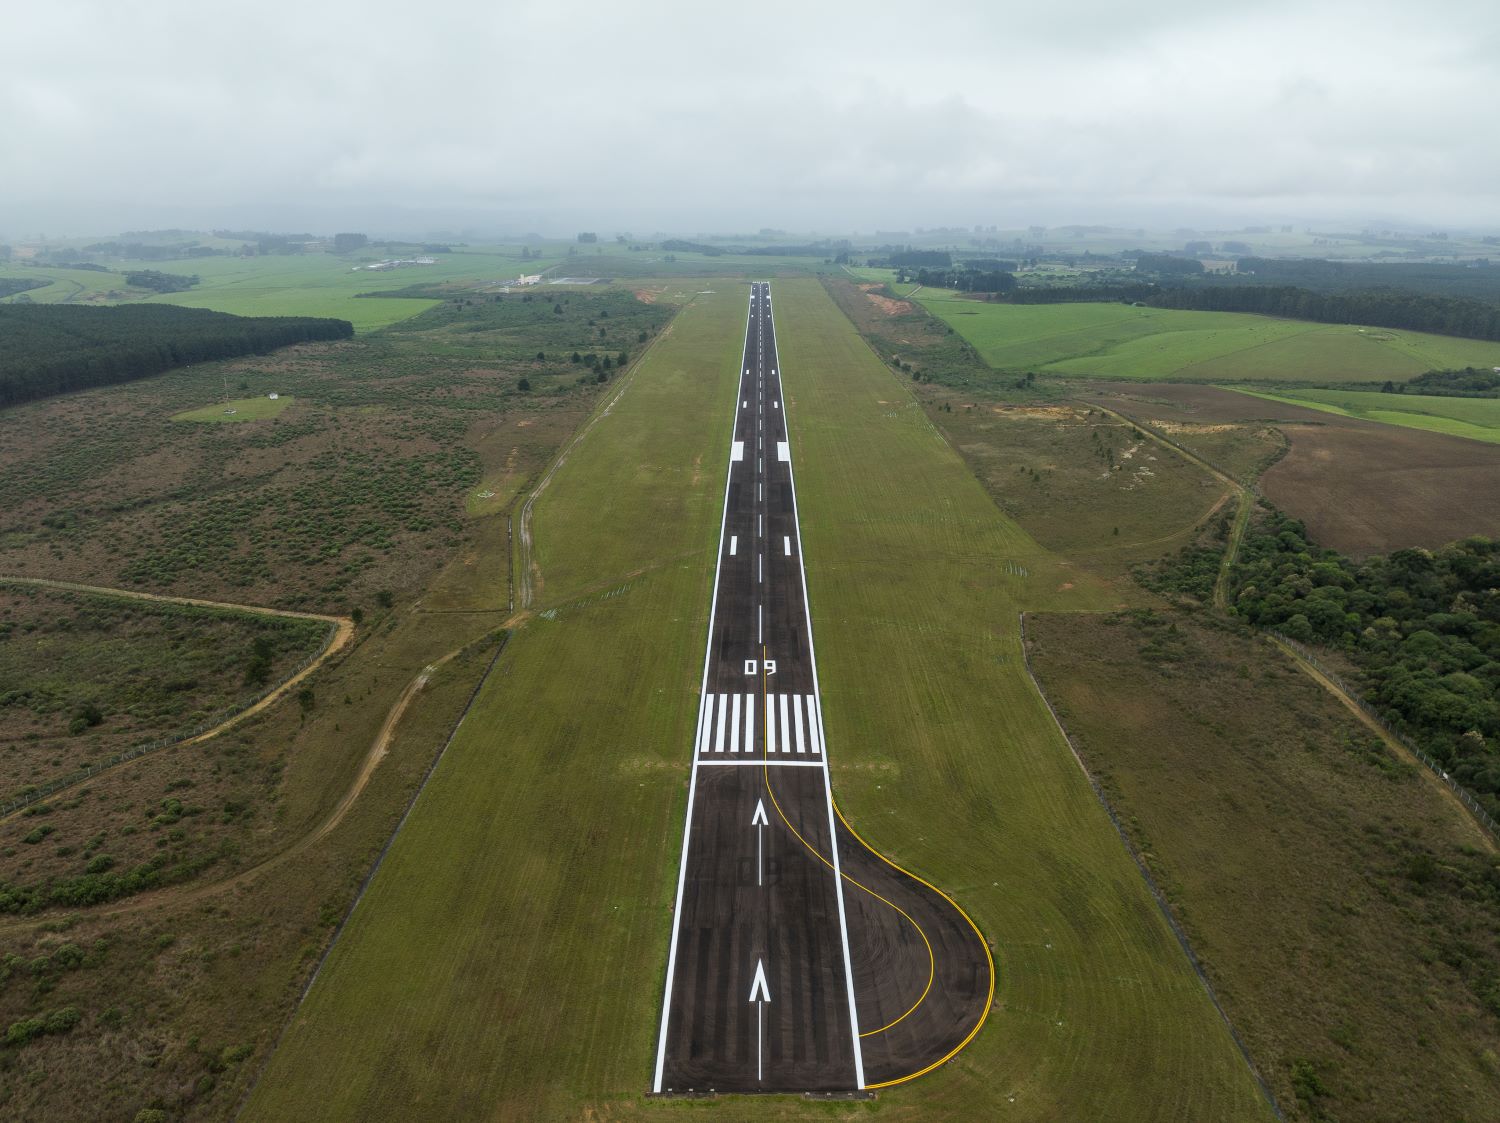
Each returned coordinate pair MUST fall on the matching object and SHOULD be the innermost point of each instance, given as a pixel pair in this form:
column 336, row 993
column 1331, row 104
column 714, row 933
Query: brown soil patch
column 649, row 296
column 887, row 305
column 1360, row 486
column 1039, row 413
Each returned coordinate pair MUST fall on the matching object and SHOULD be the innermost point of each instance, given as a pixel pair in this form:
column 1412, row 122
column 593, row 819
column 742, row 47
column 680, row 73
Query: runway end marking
column 759, row 987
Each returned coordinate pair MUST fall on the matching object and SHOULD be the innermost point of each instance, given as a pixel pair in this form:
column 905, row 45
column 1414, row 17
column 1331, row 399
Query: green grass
column 507, row 960
column 288, row 285
column 1476, row 418
column 1122, row 341
column 245, row 409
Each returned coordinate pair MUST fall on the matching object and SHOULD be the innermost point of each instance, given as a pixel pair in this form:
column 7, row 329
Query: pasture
column 1475, row 418
column 313, row 284
column 528, row 898
column 1154, row 344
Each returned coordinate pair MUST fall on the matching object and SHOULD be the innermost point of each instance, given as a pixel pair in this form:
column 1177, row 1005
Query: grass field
column 1475, row 418
column 507, row 960
column 240, row 409
column 1333, row 893
column 287, row 285
column 1122, row 341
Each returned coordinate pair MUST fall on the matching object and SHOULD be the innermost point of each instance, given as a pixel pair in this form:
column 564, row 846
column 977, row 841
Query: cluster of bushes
column 1423, row 628
column 56, row 1022
column 1470, row 382
column 54, row 348
column 102, row 886
column 160, row 282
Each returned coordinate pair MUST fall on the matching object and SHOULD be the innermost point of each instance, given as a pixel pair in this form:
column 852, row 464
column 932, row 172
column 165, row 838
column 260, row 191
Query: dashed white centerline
column 734, row 543
column 786, row 545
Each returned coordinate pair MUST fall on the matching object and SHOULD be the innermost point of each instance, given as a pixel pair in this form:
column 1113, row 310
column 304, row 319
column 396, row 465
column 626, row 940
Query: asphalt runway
column 800, row 960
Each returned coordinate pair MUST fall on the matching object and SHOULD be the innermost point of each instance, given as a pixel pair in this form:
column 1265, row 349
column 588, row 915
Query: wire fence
column 1466, row 797
column 41, row 791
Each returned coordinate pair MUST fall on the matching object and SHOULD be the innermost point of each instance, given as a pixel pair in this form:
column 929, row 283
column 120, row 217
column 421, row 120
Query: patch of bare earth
column 1360, row 486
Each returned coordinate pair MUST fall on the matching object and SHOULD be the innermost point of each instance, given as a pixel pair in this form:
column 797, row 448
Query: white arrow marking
column 759, row 987
column 757, row 821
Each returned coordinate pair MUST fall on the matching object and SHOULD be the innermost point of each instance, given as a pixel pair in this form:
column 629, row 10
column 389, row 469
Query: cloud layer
column 702, row 116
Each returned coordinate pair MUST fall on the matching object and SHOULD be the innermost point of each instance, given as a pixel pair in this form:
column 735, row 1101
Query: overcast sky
column 556, row 115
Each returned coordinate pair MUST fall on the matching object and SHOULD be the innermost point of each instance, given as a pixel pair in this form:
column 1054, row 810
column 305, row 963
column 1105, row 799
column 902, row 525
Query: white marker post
column 759, row 987
column 759, row 820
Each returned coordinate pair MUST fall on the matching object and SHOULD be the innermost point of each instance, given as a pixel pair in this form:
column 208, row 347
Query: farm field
column 1361, row 487
column 1331, row 891
column 288, row 285
column 943, row 754
column 1154, row 344
column 1475, row 418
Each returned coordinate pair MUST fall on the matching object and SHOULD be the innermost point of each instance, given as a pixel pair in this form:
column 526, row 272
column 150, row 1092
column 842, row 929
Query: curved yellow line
column 766, row 773
column 988, row 956
column 931, row 958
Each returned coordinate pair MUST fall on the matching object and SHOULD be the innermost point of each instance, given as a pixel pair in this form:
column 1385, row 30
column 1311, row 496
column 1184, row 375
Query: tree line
column 964, row 280
column 1422, row 627
column 1477, row 281
column 57, row 348
column 1386, row 308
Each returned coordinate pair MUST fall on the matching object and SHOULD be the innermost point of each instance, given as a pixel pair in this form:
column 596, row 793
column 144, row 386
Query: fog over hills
column 687, row 116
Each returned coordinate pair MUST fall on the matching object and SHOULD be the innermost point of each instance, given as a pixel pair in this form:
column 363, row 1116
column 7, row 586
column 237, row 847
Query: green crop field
column 312, row 284
column 507, row 960
column 1476, row 418
column 1123, row 341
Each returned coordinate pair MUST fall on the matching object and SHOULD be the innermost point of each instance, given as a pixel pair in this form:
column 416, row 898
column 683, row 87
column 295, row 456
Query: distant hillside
column 48, row 349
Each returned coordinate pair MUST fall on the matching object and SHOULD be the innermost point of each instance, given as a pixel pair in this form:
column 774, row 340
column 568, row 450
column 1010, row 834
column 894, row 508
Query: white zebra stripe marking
column 719, row 734
column 734, row 727
column 786, row 737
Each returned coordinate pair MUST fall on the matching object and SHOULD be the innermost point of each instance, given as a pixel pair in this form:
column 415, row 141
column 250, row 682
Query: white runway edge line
column 687, row 822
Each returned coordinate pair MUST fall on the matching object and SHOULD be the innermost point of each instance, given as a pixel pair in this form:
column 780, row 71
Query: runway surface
column 800, row 960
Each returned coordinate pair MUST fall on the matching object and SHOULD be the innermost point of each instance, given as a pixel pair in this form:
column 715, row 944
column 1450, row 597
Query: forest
column 1386, row 308
column 1479, row 281
column 1422, row 627
column 56, row 348
column 960, row 278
